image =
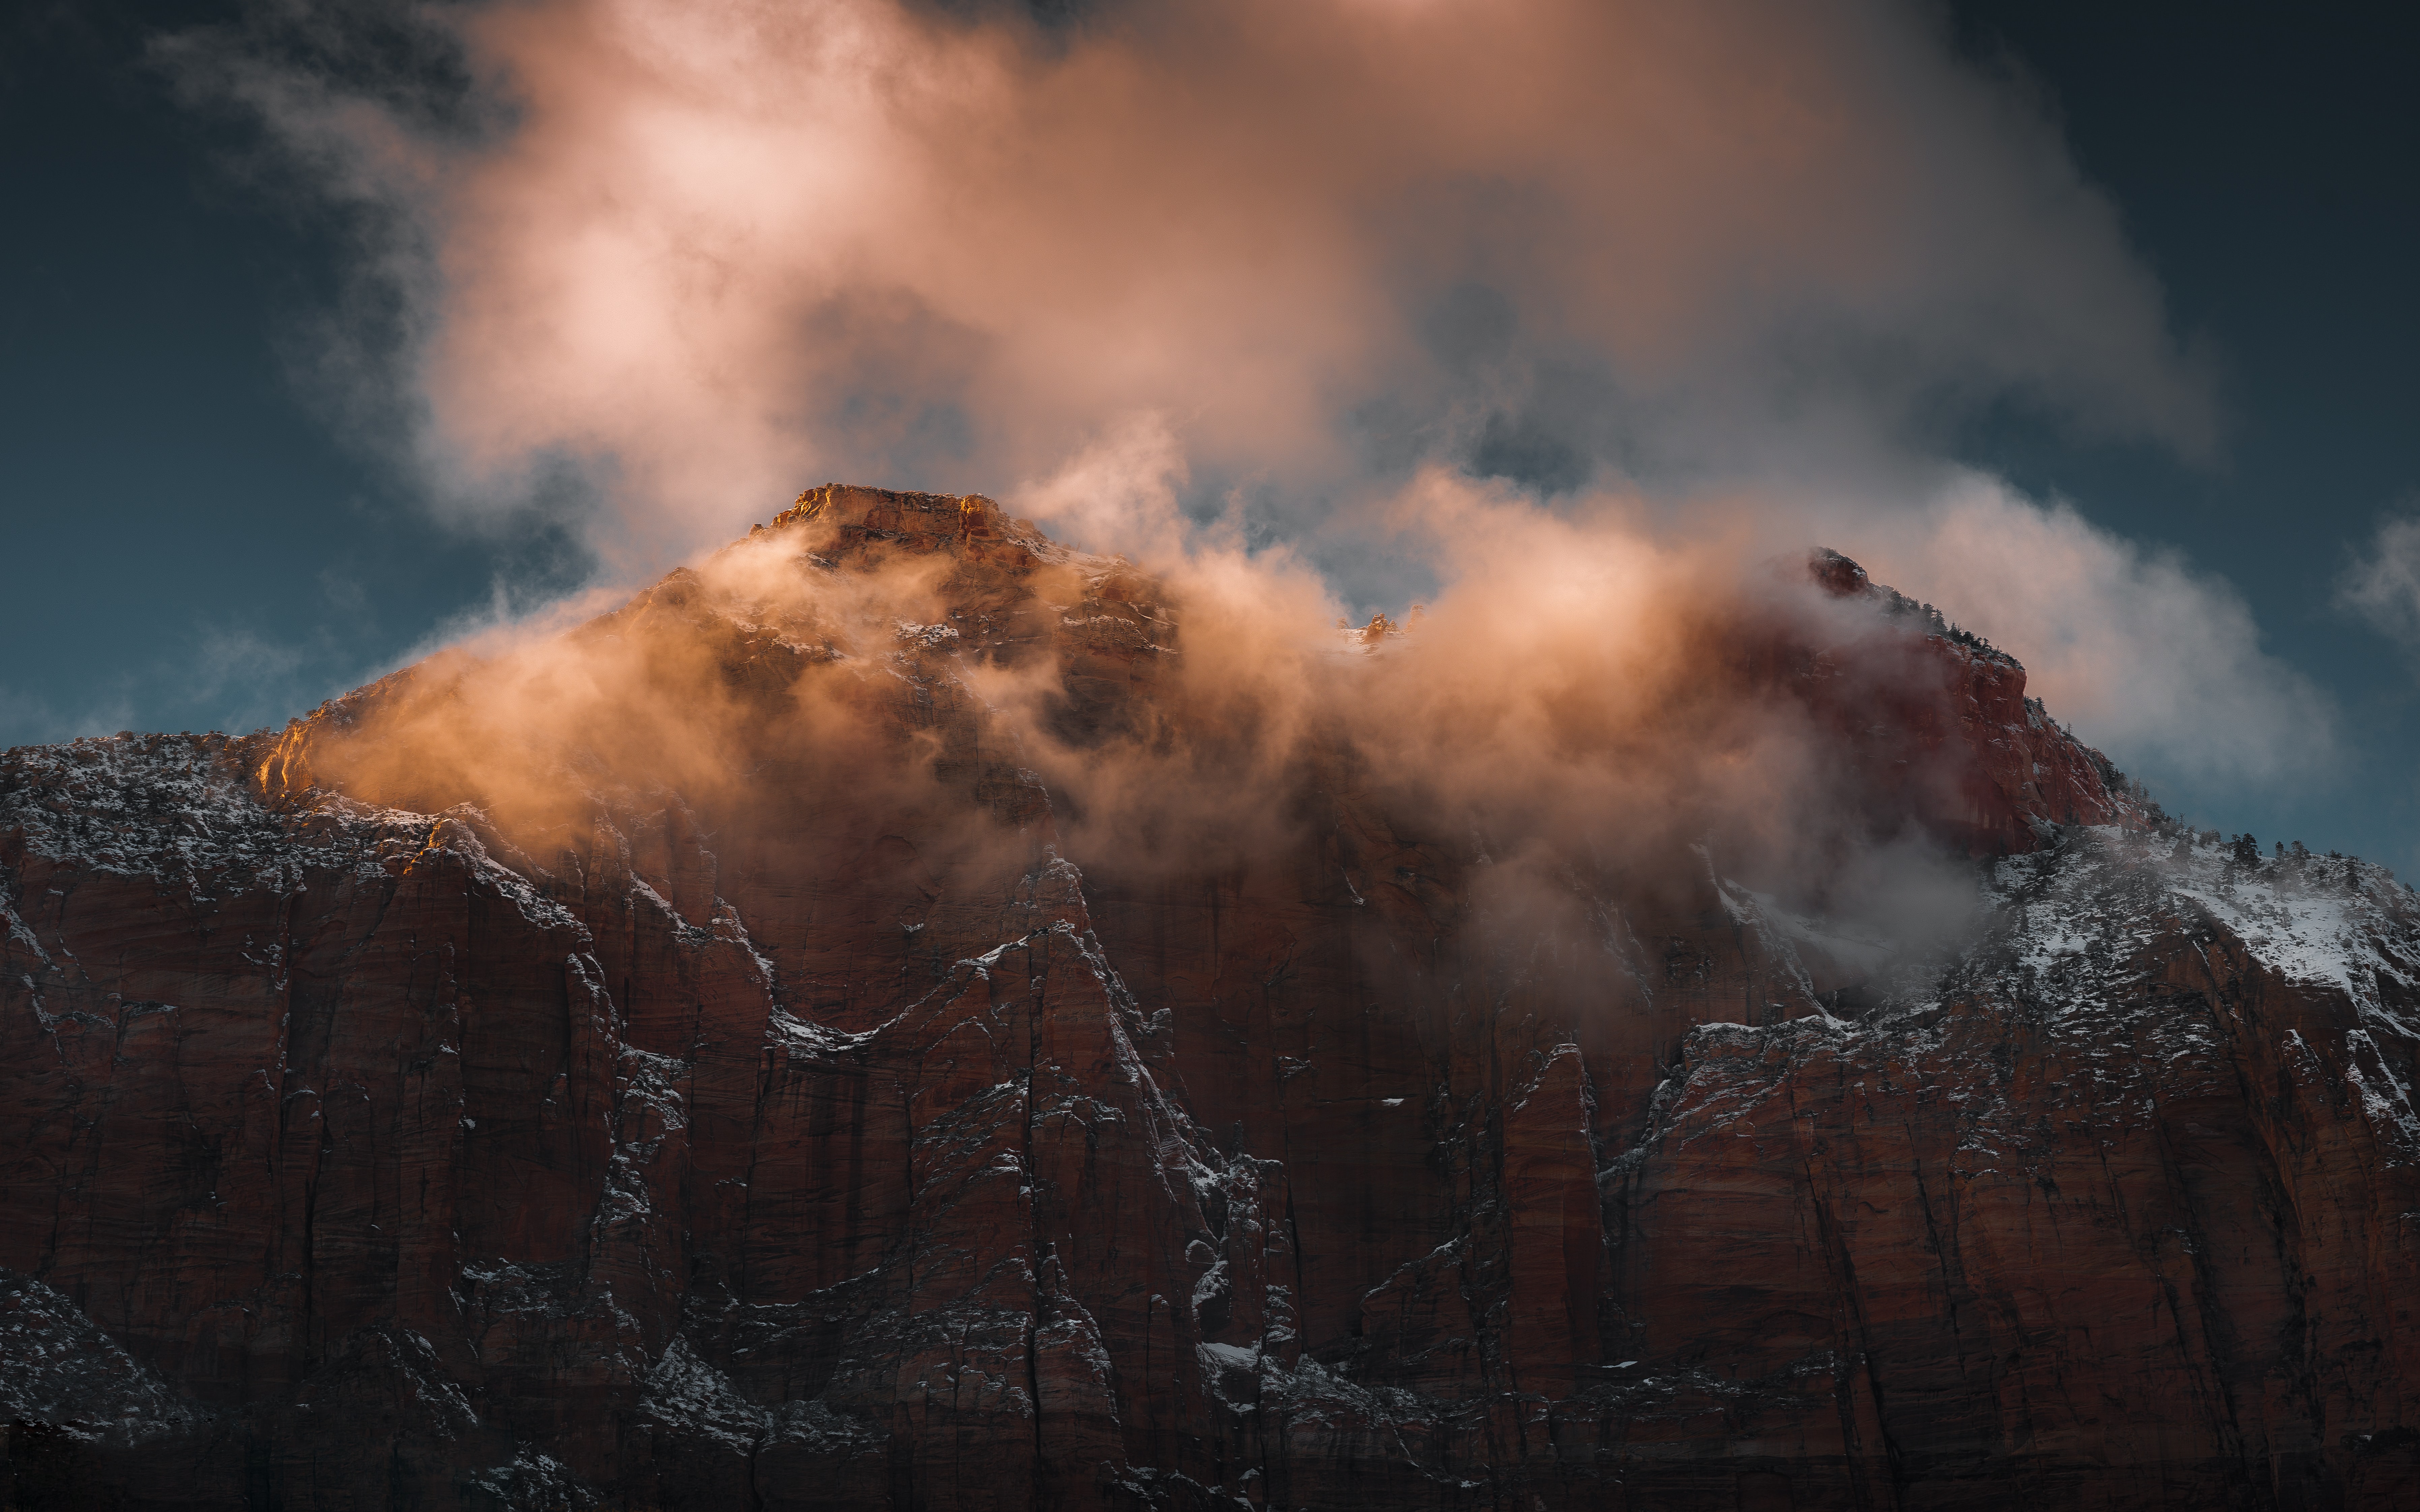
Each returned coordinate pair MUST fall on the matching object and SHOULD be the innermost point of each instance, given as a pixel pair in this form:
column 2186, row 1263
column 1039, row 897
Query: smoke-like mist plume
column 1188, row 276
column 1584, row 708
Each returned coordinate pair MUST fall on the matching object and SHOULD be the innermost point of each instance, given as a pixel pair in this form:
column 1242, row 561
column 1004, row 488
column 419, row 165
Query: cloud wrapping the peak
column 1189, row 277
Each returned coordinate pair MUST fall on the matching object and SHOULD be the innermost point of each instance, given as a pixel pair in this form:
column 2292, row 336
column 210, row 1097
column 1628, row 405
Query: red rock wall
column 775, row 1146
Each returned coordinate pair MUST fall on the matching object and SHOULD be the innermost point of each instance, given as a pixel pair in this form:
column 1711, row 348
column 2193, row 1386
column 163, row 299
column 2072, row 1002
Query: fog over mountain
column 1162, row 274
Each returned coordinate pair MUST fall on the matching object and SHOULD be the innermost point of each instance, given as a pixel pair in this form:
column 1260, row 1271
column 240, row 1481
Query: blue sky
column 210, row 524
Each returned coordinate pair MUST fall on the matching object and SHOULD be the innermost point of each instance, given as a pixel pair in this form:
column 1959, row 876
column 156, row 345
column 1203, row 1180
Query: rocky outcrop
column 1947, row 690
column 777, row 1106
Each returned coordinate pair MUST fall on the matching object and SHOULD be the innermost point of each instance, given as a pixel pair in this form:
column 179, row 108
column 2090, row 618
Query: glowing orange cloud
column 722, row 245
column 1282, row 260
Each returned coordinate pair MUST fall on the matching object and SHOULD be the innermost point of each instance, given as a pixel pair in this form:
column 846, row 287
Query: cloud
column 1120, row 493
column 1587, row 698
column 2381, row 587
column 691, row 254
column 1200, row 279
column 2149, row 659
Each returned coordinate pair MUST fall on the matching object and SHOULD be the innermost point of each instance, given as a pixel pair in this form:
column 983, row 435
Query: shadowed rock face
column 776, row 1106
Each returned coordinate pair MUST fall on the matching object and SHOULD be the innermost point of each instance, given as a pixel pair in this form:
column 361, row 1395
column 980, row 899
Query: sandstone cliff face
column 818, row 1125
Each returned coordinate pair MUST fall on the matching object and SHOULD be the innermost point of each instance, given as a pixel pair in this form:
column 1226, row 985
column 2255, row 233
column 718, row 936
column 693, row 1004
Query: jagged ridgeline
column 903, row 1015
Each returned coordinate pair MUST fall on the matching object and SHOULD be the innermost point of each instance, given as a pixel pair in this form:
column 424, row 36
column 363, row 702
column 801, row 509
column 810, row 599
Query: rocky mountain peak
column 901, row 1014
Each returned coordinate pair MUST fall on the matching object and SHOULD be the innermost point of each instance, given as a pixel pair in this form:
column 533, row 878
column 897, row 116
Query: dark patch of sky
column 193, row 538
column 2262, row 157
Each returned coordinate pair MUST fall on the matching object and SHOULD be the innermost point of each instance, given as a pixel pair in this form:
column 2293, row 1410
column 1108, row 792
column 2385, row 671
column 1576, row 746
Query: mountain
column 903, row 1015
